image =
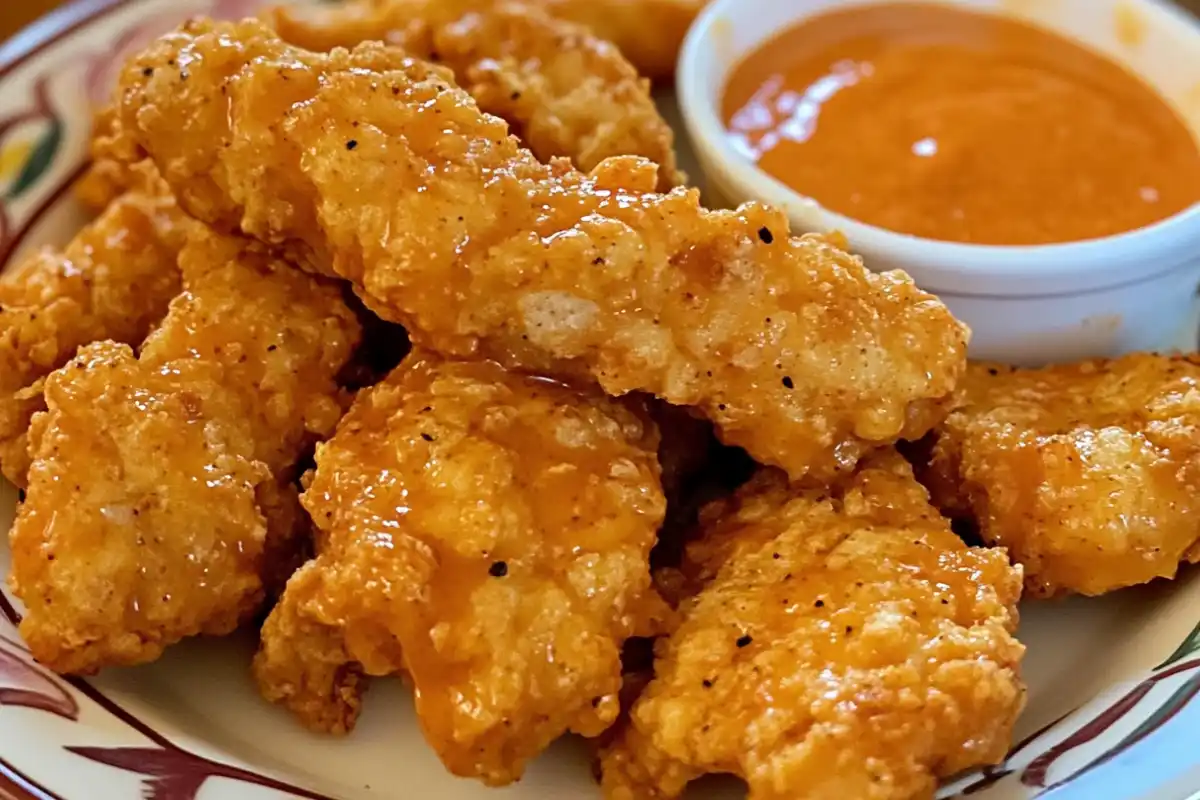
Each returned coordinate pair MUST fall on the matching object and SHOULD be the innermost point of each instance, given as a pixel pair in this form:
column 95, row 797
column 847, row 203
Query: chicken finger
column 646, row 32
column 114, row 281
column 837, row 645
column 563, row 91
column 1089, row 473
column 114, row 168
column 649, row 33
column 487, row 534
column 794, row 349
column 157, row 496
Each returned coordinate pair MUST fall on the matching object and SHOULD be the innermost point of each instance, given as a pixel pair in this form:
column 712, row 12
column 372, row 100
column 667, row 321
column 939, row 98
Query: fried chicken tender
column 113, row 281
column 486, row 534
column 141, row 524
column 115, row 166
column 157, row 502
column 280, row 335
column 563, row 91
column 790, row 345
column 842, row 645
column 1089, row 474
column 648, row 33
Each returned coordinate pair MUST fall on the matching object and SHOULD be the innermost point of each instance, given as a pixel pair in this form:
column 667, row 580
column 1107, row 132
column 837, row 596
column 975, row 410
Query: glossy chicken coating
column 115, row 164
column 281, row 336
column 1089, row 474
column 563, row 91
column 789, row 345
column 158, row 502
column 842, row 645
column 113, row 281
column 141, row 524
column 647, row 32
column 486, row 534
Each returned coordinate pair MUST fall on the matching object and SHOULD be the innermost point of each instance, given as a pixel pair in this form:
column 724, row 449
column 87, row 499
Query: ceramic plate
column 1113, row 683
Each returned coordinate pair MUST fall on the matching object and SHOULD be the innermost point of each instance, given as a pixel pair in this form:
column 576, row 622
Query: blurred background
column 16, row 14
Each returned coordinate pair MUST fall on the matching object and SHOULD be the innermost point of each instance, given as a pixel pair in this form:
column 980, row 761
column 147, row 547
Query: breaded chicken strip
column 486, row 534
column 115, row 166
column 647, row 32
column 113, row 281
column 842, row 645
column 158, row 501
column 794, row 349
column 283, row 339
column 141, row 524
column 563, row 91
column 1089, row 474
column 281, row 336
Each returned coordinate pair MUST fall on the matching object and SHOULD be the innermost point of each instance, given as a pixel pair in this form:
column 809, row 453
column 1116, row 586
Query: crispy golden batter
column 1089, row 474
column 114, row 281
column 115, row 166
column 647, row 32
column 144, row 518
column 789, row 345
column 282, row 337
column 563, row 91
column 141, row 524
column 840, row 646
column 488, row 535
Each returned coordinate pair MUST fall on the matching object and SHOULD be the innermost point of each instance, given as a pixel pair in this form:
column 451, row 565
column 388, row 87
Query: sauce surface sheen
column 960, row 126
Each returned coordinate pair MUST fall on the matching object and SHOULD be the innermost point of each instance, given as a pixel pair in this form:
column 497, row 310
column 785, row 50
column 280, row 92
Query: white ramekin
column 1039, row 304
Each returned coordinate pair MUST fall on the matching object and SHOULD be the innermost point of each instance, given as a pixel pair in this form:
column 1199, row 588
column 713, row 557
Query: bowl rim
column 1090, row 264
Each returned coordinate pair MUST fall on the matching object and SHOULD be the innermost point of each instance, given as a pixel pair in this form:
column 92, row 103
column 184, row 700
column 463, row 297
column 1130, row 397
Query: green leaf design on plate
column 39, row 160
column 1190, row 645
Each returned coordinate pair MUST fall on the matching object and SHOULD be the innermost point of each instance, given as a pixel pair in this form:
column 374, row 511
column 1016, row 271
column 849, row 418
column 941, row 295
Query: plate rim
column 75, row 17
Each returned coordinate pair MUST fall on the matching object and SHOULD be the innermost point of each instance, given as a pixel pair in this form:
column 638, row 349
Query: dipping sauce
column 960, row 126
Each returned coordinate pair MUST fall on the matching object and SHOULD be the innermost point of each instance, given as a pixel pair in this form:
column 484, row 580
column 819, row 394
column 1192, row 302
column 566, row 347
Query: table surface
column 16, row 14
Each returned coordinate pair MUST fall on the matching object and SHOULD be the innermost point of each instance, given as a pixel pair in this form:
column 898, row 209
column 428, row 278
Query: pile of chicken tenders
column 399, row 335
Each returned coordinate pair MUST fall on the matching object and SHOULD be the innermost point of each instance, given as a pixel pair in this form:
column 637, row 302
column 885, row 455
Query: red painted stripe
column 1035, row 774
column 8, row 610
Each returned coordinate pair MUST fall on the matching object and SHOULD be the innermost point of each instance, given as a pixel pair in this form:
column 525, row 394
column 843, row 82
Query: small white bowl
column 1061, row 302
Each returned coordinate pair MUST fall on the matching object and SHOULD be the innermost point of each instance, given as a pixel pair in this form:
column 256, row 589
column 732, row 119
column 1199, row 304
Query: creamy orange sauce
column 960, row 126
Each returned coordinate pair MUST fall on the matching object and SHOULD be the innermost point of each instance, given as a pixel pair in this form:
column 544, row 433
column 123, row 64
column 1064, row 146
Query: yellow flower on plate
column 13, row 156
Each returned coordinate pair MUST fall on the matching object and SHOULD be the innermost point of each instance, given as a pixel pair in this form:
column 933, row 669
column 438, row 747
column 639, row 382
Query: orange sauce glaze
column 961, row 126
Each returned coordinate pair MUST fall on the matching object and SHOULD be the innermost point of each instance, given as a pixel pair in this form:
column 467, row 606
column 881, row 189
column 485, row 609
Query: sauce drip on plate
column 961, row 126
